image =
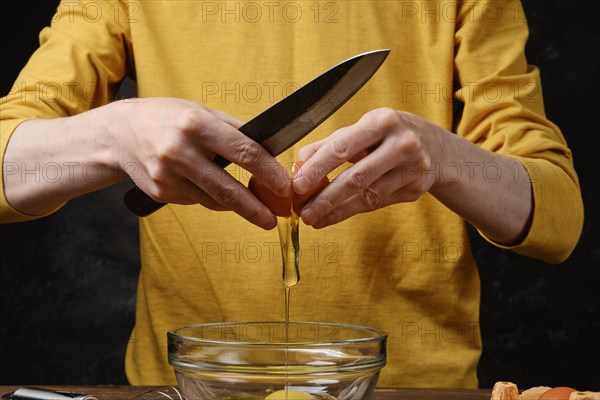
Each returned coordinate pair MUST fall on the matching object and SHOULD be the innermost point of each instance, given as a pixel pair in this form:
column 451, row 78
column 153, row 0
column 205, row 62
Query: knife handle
column 27, row 393
column 143, row 205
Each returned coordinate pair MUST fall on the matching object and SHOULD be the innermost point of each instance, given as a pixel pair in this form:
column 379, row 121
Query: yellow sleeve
column 82, row 57
column 503, row 111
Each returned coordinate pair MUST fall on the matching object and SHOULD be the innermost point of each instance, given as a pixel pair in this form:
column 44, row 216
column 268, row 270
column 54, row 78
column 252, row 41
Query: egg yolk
column 289, row 395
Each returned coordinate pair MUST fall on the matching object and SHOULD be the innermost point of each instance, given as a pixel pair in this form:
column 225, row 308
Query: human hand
column 390, row 150
column 172, row 143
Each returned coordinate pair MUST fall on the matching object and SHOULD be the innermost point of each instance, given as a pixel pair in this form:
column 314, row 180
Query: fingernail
column 319, row 224
column 272, row 225
column 307, row 215
column 301, row 184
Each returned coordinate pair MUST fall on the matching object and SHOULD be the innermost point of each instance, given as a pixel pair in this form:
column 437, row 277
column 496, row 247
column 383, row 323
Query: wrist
column 55, row 160
column 107, row 131
column 444, row 156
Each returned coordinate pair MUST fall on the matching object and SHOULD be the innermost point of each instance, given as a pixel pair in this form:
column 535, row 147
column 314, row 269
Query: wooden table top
column 130, row 392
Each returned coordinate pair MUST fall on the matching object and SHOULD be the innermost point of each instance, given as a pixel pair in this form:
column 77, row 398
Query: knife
column 295, row 116
column 45, row 394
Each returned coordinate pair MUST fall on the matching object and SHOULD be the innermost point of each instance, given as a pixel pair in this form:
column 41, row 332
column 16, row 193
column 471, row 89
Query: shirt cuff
column 557, row 213
column 8, row 213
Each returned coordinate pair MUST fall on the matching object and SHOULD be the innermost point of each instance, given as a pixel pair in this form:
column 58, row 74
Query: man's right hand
column 166, row 145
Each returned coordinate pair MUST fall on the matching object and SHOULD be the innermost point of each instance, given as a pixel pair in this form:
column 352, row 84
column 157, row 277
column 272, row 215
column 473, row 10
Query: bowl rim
column 378, row 334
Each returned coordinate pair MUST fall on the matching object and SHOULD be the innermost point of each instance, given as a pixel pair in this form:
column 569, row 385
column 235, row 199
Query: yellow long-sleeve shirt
column 406, row 269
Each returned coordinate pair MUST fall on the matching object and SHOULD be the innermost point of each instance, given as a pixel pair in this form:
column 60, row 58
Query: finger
column 359, row 156
column 307, row 151
column 192, row 194
column 342, row 146
column 191, row 162
column 261, row 217
column 223, row 139
column 229, row 119
column 353, row 180
column 172, row 188
column 223, row 116
column 220, row 186
column 377, row 196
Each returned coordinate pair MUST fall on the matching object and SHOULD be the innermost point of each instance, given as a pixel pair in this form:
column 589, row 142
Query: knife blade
column 286, row 122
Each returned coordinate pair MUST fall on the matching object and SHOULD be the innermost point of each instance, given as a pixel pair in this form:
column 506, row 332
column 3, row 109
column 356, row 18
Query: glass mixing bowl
column 272, row 361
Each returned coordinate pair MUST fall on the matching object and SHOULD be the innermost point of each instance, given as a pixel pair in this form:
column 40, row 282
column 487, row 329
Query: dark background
column 68, row 281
